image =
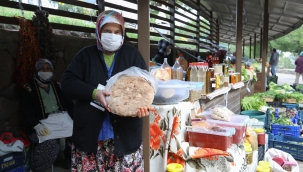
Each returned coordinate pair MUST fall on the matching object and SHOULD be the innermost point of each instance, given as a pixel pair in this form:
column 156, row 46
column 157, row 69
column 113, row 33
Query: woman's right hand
column 100, row 97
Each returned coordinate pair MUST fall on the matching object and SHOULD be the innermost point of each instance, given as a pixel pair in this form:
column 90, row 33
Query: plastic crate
column 11, row 161
column 290, row 105
column 277, row 129
column 287, row 144
column 19, row 169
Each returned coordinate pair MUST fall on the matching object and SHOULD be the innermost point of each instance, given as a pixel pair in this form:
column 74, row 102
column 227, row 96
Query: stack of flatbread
column 129, row 94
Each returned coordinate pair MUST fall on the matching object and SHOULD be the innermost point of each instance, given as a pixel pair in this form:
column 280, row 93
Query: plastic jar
column 248, row 154
column 261, row 135
column 265, row 164
column 262, row 169
column 174, row 167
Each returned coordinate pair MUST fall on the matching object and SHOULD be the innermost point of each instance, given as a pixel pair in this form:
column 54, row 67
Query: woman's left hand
column 142, row 112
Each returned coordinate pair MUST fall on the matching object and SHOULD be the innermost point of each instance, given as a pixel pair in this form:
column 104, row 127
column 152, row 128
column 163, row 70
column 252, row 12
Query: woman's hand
column 100, row 97
column 142, row 112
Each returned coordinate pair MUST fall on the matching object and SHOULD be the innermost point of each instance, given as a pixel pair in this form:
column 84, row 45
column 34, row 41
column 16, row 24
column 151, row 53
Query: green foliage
column 291, row 42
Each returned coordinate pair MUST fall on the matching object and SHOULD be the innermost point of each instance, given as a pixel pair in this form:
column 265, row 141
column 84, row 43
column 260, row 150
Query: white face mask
column 111, row 42
column 45, row 75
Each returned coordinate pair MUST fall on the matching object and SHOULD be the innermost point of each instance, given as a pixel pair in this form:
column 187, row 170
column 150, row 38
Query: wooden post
column 144, row 48
column 250, row 47
column 265, row 42
column 239, row 36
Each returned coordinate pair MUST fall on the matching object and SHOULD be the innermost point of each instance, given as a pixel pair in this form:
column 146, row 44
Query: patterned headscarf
column 162, row 45
column 39, row 64
column 105, row 17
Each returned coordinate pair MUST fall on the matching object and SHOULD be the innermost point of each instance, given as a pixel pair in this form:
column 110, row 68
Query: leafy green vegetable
column 252, row 102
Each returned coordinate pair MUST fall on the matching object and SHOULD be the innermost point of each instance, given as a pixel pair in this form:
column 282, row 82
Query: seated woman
column 44, row 108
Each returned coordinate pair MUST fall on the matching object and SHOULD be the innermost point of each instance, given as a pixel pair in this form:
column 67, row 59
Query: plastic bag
column 133, row 71
column 252, row 138
column 221, row 113
column 272, row 152
column 131, row 89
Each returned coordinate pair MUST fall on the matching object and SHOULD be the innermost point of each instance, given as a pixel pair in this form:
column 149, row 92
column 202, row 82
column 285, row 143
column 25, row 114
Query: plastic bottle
column 295, row 119
column 183, row 62
column 210, row 61
column 193, row 73
column 199, row 72
column 177, row 71
column 203, row 73
column 166, row 67
column 188, row 73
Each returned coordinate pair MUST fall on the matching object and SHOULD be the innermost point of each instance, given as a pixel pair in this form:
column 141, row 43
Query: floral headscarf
column 105, row 17
column 39, row 64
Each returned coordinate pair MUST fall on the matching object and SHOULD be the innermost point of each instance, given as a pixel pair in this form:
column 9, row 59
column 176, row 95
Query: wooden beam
column 239, row 36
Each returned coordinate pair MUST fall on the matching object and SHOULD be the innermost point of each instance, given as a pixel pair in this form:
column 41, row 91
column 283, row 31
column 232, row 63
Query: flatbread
column 129, row 94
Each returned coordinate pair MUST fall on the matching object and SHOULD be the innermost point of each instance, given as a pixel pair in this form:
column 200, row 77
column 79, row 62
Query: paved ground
column 282, row 78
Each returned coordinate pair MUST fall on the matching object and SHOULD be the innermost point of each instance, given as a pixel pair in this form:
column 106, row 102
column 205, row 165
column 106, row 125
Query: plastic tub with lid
column 239, row 122
column 174, row 91
column 210, row 139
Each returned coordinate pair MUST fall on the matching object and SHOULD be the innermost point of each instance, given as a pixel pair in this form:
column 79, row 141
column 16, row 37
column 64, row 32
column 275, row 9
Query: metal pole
column 250, row 47
column 144, row 48
column 265, row 42
column 239, row 36
column 255, row 45
column 243, row 49
column 101, row 6
column 261, row 42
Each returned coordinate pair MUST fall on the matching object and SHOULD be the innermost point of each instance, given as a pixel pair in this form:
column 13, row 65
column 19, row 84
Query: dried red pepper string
column 28, row 53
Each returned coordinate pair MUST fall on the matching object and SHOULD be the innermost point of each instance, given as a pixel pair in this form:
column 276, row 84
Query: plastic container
column 209, row 139
column 262, row 169
column 174, row 91
column 290, row 144
column 265, row 164
column 255, row 114
column 174, row 167
column 277, row 129
column 239, row 122
column 261, row 136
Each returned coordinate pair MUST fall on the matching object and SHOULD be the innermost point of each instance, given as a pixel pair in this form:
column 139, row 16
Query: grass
column 11, row 12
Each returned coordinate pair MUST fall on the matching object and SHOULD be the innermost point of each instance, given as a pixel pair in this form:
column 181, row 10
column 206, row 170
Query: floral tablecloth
column 168, row 145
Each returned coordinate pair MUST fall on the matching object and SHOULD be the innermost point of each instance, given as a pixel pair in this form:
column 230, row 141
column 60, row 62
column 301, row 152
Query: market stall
column 169, row 143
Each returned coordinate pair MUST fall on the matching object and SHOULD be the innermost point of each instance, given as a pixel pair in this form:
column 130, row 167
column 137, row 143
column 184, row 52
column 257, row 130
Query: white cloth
column 271, row 153
column 16, row 146
column 60, row 125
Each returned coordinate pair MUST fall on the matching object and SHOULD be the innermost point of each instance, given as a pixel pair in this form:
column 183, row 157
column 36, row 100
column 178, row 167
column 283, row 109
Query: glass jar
column 248, row 155
column 212, row 72
column 207, row 82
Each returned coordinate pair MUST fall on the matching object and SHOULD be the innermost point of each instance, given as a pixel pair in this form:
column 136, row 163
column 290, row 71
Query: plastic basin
column 255, row 114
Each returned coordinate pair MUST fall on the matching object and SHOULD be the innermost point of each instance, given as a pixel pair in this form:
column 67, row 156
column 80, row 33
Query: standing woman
column 103, row 141
column 299, row 68
column 46, row 112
